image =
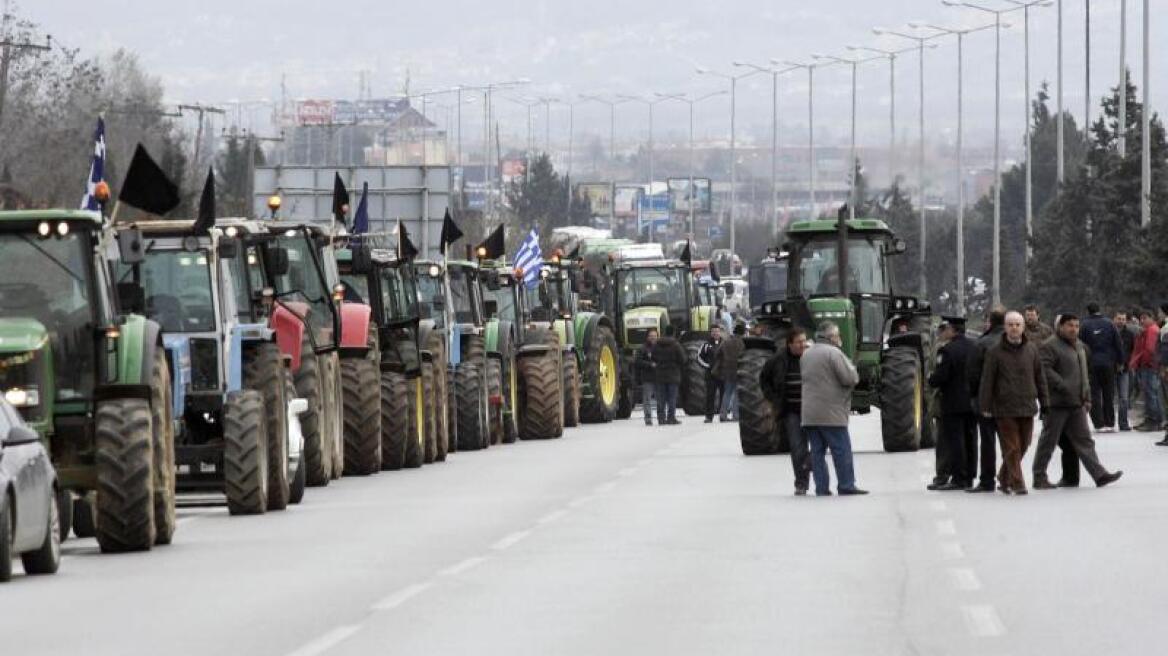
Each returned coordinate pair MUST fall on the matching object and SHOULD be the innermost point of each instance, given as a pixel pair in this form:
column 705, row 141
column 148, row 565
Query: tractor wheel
column 362, row 416
column 125, row 481
column 416, row 436
column 332, row 371
column 429, row 410
column 495, row 410
column 436, row 344
column 756, row 423
column 571, row 391
column 162, row 438
column 309, row 383
column 451, row 409
column 693, row 394
column 298, row 478
column 84, row 513
column 245, row 453
column 542, row 399
column 395, row 419
column 47, row 558
column 469, row 381
column 263, row 371
column 602, row 376
column 511, row 400
column 903, row 410
column 626, row 401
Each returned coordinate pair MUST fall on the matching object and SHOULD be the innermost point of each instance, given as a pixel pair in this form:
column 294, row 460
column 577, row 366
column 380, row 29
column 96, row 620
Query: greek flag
column 530, row 259
column 96, row 169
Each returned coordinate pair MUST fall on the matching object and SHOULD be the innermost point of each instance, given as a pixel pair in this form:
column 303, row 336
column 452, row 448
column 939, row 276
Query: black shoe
column 976, row 489
column 826, row 493
column 1065, row 483
column 1147, row 428
column 673, row 422
column 936, row 485
column 1108, row 479
column 1163, row 442
column 709, row 420
column 1021, row 491
column 951, row 486
column 852, row 492
column 1041, row 482
column 648, row 422
column 800, row 491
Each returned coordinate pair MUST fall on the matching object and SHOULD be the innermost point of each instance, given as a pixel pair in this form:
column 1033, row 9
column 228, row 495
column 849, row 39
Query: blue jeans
column 666, row 402
column 837, row 439
column 729, row 400
column 1150, row 389
column 647, row 394
column 1123, row 396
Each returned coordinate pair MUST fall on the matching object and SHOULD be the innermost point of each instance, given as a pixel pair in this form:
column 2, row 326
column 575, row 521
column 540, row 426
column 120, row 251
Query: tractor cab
column 651, row 295
column 378, row 277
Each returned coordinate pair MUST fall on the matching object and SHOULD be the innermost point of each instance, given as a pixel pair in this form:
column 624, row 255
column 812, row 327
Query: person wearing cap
column 957, row 444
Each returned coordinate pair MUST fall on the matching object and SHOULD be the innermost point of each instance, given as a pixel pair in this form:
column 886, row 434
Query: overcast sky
column 222, row 50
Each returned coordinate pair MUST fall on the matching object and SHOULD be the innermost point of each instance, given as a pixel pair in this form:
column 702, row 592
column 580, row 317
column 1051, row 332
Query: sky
column 222, row 51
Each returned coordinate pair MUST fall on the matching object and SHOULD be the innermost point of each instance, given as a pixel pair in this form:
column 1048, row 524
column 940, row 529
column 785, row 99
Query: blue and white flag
column 530, row 259
column 96, row 169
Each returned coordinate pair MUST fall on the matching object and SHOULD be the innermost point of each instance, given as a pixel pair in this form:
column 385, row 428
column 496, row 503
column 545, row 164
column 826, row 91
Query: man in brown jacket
column 1064, row 363
column 726, row 370
column 1012, row 383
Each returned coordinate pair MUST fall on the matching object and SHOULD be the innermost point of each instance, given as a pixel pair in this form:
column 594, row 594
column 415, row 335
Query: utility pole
column 9, row 49
column 202, row 111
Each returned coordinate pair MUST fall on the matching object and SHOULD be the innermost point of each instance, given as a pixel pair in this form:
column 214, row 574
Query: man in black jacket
column 1099, row 335
column 669, row 356
column 987, row 427
column 957, row 443
column 646, row 370
column 706, row 361
column 782, row 386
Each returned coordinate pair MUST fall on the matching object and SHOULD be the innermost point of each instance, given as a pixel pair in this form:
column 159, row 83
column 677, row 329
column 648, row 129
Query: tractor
column 412, row 402
column 91, row 378
column 889, row 337
column 230, row 379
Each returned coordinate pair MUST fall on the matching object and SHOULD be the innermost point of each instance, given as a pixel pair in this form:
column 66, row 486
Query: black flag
column 206, row 205
column 686, row 255
column 147, row 187
column 405, row 248
column 340, row 199
column 493, row 246
column 450, row 233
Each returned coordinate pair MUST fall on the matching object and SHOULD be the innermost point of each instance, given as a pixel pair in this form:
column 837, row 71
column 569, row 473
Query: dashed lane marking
column 401, row 596
column 952, row 551
column 461, row 567
column 553, row 516
column 327, row 641
column 946, row 527
column 983, row 621
column 964, row 579
column 510, row 540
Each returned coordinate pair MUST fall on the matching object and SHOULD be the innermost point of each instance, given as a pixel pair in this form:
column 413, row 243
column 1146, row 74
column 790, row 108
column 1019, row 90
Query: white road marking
column 983, row 621
column 459, row 568
column 627, row 471
column 964, row 579
column 401, row 596
column 605, row 488
column 556, row 515
column 579, row 501
column 938, row 506
column 327, row 641
column 946, row 527
column 952, row 551
column 510, row 540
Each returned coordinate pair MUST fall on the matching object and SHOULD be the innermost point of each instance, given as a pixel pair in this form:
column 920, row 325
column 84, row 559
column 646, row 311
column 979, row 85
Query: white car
column 30, row 523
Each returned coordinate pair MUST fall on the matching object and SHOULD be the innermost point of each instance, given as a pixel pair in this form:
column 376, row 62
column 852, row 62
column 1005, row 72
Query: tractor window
column 303, row 283
column 178, row 290
column 48, row 280
column 819, row 273
column 656, row 286
column 429, row 291
column 356, row 288
column 460, row 296
column 240, row 288
column 504, row 298
column 398, row 294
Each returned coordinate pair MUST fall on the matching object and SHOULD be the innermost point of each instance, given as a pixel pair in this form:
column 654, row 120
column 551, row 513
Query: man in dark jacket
column 1012, row 388
column 706, row 360
column 782, row 386
column 646, row 369
column 957, row 444
column 987, row 428
column 1065, row 365
column 1100, row 336
column 726, row 370
column 669, row 356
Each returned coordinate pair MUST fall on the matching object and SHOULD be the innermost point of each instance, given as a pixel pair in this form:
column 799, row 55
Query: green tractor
column 839, row 271
column 92, row 380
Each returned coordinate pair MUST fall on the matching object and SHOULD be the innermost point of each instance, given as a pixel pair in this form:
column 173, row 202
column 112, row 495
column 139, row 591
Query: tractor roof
column 22, row 216
column 825, row 226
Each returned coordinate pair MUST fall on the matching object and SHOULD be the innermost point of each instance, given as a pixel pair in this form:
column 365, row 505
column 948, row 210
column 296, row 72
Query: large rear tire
column 429, row 412
column 571, row 390
column 245, row 453
column 263, row 371
column 756, row 424
column 125, row 480
column 495, row 401
column 694, row 382
column 162, row 436
column 469, row 379
column 416, row 438
column 332, row 371
column 362, row 416
column 541, row 397
column 436, row 344
column 511, row 399
column 602, row 375
column 313, row 422
column 903, row 409
column 395, row 420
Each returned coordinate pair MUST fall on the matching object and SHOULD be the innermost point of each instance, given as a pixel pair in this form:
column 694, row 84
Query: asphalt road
column 623, row 539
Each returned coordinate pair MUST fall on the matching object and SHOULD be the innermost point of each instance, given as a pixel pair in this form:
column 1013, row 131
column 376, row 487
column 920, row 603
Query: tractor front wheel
column 903, row 411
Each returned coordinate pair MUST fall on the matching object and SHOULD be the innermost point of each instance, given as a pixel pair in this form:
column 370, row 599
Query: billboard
column 314, row 112
column 628, row 199
column 348, row 112
column 654, row 213
column 680, row 195
column 599, row 194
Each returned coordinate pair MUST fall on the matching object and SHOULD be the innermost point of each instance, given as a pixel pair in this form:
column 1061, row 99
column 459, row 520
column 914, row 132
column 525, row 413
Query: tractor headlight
column 23, row 397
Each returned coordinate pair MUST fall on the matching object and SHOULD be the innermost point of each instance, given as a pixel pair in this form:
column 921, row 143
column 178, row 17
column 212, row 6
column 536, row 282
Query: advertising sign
column 628, row 200
column 314, row 112
column 680, row 195
column 599, row 194
column 654, row 213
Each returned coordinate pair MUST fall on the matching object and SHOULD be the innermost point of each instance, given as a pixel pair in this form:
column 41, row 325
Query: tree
column 233, row 170
column 539, row 200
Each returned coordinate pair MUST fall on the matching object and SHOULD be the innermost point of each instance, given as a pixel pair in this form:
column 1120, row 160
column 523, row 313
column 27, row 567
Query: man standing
column 726, row 370
column 957, row 444
column 987, row 427
column 1106, row 348
column 1144, row 362
column 669, row 356
column 1066, row 368
column 782, row 386
column 1011, row 383
column 1122, row 376
column 646, row 370
column 706, row 357
column 1036, row 331
column 828, row 377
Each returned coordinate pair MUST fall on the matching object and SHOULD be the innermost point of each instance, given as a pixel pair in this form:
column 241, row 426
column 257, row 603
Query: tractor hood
column 638, row 321
column 842, row 313
column 22, row 335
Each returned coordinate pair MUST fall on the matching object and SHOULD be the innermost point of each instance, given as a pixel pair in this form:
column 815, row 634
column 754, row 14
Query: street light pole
column 649, row 104
column 891, row 56
column 854, row 64
column 1121, row 133
column 774, row 73
column 1145, row 134
column 692, row 192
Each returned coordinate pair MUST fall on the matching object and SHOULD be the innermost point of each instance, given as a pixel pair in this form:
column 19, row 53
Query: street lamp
column 774, row 73
column 691, row 102
column 854, row 64
column 811, row 165
column 891, row 56
column 733, row 136
column 960, row 34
